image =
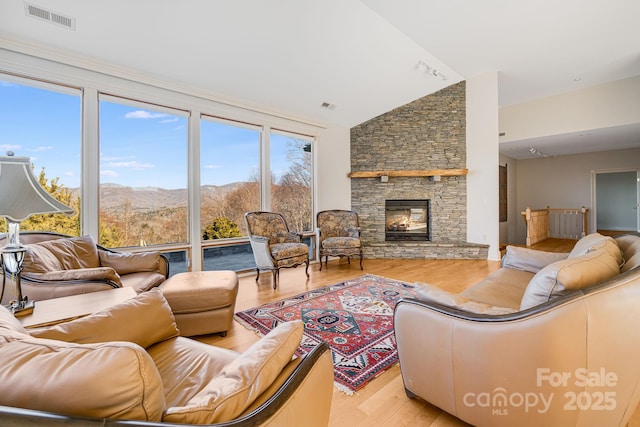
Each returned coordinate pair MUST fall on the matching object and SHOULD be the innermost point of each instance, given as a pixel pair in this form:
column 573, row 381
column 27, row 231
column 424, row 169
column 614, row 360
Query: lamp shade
column 20, row 193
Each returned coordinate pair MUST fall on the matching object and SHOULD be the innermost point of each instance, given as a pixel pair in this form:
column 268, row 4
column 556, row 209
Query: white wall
column 482, row 162
column 611, row 104
column 333, row 163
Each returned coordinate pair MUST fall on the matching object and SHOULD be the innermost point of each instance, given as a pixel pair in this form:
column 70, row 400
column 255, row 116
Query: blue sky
column 138, row 147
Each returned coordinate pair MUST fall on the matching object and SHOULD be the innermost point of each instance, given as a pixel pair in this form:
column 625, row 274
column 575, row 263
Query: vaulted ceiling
column 362, row 57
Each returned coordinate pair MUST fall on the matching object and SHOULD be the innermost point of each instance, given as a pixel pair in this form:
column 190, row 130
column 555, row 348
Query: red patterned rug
column 354, row 317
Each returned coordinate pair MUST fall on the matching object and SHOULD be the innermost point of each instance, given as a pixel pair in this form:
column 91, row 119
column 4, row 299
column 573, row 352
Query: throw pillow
column 530, row 260
column 145, row 320
column 242, row 380
column 430, row 293
column 589, row 243
column 570, row 274
column 61, row 254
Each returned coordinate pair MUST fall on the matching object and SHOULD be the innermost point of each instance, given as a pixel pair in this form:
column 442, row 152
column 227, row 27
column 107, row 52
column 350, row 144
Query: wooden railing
column 555, row 223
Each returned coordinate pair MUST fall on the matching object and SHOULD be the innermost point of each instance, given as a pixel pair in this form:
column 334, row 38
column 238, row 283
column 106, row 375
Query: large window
column 291, row 173
column 43, row 121
column 143, row 174
column 229, row 177
column 125, row 166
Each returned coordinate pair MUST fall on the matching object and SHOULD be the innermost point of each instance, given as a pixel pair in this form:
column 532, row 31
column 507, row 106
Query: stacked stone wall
column 429, row 133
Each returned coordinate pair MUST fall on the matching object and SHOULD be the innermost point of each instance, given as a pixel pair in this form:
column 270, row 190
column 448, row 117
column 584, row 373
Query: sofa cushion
column 502, row 288
column 186, row 366
column 241, row 381
column 145, row 319
column 570, row 274
column 61, row 254
column 130, row 262
column 430, row 293
column 529, row 259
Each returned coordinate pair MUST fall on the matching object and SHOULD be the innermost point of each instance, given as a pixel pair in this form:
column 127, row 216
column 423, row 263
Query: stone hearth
column 428, row 133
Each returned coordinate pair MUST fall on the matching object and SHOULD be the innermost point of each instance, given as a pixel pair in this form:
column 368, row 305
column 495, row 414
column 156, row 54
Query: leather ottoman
column 203, row 302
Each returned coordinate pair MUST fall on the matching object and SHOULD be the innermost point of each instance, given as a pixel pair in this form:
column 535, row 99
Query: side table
column 58, row 310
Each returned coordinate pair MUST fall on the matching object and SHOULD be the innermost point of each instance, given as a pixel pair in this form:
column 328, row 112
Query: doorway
column 617, row 201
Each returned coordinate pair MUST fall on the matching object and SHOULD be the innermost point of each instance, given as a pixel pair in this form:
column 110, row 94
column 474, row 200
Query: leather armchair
column 127, row 366
column 338, row 234
column 274, row 246
column 57, row 265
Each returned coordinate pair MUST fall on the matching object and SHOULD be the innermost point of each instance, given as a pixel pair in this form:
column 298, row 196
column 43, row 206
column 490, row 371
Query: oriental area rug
column 354, row 317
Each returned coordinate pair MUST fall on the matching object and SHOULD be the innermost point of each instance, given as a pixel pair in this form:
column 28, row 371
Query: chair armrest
column 81, row 275
column 261, row 252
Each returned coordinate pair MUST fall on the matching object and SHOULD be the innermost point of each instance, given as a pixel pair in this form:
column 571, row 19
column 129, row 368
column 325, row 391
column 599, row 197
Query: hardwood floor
column 382, row 402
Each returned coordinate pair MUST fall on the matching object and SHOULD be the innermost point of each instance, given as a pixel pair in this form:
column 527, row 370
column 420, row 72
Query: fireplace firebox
column 407, row 220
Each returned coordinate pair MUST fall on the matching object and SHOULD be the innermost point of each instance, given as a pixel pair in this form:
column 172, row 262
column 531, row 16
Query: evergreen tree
column 221, row 228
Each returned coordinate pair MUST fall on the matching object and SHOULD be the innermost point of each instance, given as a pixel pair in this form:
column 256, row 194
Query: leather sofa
column 548, row 339
column 56, row 265
column 128, row 366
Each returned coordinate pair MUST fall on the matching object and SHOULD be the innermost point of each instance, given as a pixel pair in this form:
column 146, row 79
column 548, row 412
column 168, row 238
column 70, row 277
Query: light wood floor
column 382, row 402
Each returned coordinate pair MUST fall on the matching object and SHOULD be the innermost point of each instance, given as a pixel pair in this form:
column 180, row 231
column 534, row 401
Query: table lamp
column 20, row 197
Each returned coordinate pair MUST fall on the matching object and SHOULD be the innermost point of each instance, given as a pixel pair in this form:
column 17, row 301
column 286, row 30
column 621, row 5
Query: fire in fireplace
column 407, row 220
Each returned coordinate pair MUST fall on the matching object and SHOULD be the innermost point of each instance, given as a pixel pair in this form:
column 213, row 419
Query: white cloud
column 9, row 147
column 141, row 114
column 109, row 173
column 69, row 173
column 114, row 158
column 171, row 120
column 212, row 166
column 135, row 165
column 42, row 148
column 7, row 84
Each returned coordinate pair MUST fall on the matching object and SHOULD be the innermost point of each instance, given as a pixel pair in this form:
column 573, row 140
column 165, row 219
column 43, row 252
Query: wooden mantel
column 414, row 173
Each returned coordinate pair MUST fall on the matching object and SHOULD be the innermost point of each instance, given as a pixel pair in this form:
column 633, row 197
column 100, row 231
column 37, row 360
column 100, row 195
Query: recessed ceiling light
column 328, row 106
column 577, row 79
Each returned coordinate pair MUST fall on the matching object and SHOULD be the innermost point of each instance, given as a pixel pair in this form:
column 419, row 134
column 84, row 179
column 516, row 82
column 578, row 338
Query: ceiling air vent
column 50, row 16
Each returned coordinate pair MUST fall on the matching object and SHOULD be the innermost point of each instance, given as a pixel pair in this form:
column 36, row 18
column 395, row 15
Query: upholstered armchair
column 273, row 245
column 338, row 234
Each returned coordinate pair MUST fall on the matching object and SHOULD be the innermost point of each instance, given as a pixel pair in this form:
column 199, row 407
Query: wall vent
column 50, row 16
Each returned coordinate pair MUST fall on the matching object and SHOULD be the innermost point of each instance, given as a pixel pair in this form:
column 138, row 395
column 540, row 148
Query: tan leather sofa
column 56, row 265
column 548, row 339
column 128, row 366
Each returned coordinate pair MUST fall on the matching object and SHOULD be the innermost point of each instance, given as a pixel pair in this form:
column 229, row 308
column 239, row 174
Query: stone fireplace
column 425, row 139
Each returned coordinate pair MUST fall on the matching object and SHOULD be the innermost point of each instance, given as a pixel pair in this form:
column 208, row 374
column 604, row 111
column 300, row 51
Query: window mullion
column 265, row 169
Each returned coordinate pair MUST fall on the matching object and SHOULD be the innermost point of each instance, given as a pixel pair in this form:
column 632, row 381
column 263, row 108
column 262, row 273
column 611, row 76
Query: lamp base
column 21, row 308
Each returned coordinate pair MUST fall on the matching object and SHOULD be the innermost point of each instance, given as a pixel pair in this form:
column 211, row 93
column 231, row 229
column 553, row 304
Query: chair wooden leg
column 306, row 269
column 361, row 262
column 258, row 274
column 320, row 262
column 275, row 274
